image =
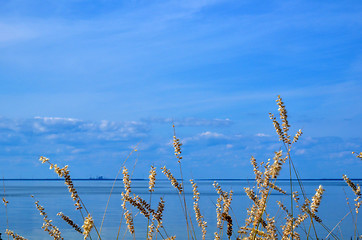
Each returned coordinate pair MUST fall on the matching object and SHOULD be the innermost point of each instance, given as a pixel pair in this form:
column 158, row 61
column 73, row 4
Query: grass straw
column 114, row 183
column 6, row 206
column 177, row 147
column 258, row 225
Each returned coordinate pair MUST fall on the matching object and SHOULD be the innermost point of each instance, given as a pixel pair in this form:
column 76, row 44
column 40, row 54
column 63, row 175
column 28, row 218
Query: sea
column 22, row 217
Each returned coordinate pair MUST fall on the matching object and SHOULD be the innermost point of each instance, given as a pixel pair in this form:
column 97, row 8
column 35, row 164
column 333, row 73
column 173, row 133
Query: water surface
column 25, row 220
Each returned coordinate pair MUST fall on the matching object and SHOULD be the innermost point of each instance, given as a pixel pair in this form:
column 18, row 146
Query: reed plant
column 300, row 216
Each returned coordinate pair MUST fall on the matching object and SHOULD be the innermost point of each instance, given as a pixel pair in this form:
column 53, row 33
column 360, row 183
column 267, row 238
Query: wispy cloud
column 44, row 135
column 56, row 125
column 192, row 121
column 262, row 135
column 100, row 144
column 208, row 137
column 11, row 33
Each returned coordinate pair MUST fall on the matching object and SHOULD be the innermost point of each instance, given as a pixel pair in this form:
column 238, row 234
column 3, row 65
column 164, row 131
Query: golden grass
column 300, row 218
column 48, row 226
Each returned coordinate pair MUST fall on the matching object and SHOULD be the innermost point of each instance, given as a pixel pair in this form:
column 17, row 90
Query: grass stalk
column 114, row 183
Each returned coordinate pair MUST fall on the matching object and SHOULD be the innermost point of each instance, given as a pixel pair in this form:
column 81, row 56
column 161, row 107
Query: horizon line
column 199, row 179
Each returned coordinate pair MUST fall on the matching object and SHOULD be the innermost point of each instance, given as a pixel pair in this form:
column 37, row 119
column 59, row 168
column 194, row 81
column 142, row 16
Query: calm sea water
column 25, row 220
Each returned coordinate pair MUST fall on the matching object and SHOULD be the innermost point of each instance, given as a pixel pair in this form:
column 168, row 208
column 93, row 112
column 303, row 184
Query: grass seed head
column 87, row 225
column 152, row 179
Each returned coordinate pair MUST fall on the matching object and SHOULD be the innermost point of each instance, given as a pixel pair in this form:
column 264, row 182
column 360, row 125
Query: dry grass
column 299, row 220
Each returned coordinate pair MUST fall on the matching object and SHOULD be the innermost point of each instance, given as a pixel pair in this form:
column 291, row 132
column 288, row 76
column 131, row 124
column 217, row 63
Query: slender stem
column 291, row 189
column 114, row 182
column 148, row 219
column 305, row 197
column 95, row 228
column 188, row 215
column 337, row 225
column 124, row 234
column 120, row 224
column 350, row 210
column 6, row 208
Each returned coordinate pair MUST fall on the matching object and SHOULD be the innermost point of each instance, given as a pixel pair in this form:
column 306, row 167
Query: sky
column 85, row 82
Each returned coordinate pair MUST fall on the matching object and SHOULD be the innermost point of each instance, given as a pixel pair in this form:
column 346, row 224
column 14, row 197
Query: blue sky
column 83, row 82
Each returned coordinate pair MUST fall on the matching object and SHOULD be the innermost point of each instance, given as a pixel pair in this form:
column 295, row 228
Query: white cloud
column 300, row 152
column 262, row 135
column 38, row 127
column 94, row 141
column 192, row 121
column 209, row 134
column 343, row 154
column 14, row 32
column 56, row 119
column 68, row 130
column 214, row 137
